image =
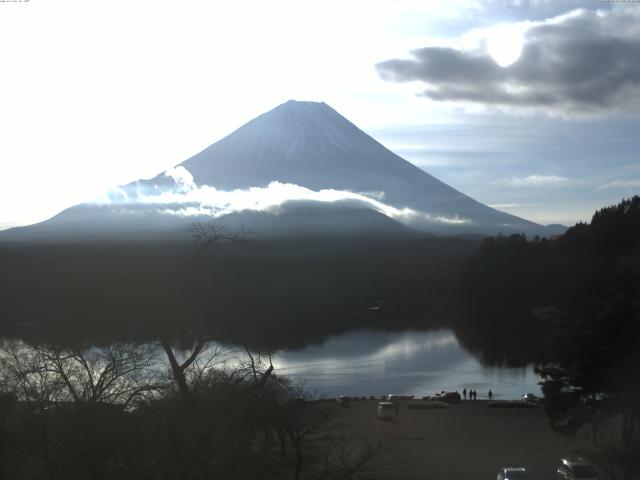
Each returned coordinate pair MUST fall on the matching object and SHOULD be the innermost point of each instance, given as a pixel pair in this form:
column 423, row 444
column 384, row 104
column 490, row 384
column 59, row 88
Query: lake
column 366, row 362
column 376, row 362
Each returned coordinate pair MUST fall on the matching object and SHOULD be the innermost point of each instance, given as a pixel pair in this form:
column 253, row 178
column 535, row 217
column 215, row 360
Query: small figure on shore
column 474, row 395
column 490, row 395
column 464, row 393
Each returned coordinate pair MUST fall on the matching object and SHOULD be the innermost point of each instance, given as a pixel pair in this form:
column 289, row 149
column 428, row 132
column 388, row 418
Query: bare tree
column 256, row 367
column 25, row 371
column 189, row 368
column 201, row 381
column 117, row 374
column 178, row 369
column 213, row 235
column 208, row 235
column 306, row 423
column 73, row 404
column 345, row 456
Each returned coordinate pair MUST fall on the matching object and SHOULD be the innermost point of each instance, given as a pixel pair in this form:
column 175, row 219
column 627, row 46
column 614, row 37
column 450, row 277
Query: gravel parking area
column 466, row 441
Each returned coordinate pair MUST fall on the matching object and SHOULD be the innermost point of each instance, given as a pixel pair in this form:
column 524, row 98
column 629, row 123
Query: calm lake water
column 373, row 362
column 417, row 363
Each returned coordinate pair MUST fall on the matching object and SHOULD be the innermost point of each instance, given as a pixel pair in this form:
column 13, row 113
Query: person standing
column 464, row 393
column 490, row 395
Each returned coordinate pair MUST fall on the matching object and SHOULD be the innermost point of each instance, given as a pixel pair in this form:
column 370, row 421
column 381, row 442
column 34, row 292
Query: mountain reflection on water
column 359, row 362
column 366, row 362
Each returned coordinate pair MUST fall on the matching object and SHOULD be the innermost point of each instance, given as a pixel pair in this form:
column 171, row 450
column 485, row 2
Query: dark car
column 449, row 397
column 530, row 397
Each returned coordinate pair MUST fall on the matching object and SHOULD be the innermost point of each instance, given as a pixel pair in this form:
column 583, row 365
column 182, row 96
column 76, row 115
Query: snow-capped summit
column 311, row 145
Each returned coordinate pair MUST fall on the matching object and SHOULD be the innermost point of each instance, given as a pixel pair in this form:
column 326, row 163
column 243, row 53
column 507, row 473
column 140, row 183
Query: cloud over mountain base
column 183, row 198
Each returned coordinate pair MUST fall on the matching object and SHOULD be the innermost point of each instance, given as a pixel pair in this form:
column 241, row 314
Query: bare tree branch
column 211, row 234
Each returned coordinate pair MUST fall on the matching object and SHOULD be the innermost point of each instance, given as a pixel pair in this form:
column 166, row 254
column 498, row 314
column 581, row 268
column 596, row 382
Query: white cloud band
column 186, row 199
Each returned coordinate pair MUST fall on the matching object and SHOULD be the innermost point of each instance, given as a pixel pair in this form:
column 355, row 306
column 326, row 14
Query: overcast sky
column 528, row 106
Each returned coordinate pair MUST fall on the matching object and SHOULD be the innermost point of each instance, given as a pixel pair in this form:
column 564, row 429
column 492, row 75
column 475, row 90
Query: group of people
column 473, row 395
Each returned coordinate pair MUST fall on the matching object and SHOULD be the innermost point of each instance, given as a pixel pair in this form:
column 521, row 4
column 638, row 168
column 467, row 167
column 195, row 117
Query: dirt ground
column 465, row 441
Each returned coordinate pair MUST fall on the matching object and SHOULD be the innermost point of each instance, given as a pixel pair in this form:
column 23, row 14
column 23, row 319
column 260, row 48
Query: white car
column 386, row 409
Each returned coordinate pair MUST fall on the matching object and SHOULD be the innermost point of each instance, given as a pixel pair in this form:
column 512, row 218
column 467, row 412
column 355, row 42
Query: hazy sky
column 528, row 106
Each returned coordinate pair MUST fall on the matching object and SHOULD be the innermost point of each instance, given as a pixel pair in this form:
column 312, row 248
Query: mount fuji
column 301, row 168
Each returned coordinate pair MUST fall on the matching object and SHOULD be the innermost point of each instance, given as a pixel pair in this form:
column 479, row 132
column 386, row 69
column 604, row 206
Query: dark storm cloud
column 584, row 63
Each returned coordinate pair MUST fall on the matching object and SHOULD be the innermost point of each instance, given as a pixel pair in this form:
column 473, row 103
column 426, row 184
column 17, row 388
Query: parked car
column 570, row 469
column 513, row 473
column 343, row 401
column 385, row 409
column 530, row 397
column 448, row 397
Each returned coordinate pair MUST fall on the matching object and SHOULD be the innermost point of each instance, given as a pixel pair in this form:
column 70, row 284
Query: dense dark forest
column 279, row 294
column 589, row 259
column 517, row 286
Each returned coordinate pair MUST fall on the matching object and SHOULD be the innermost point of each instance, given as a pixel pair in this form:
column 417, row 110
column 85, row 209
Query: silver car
column 513, row 473
column 578, row 469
